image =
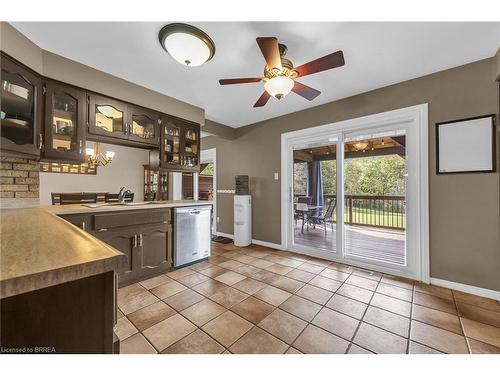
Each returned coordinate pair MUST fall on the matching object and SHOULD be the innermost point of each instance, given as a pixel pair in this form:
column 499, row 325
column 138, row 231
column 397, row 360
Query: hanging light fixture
column 187, row 44
column 361, row 145
column 279, row 86
column 95, row 158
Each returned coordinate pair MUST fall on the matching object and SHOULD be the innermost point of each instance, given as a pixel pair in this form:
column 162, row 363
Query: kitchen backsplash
column 19, row 182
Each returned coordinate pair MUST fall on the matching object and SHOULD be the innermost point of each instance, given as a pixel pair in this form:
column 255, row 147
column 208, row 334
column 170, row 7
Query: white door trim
column 206, row 156
column 416, row 117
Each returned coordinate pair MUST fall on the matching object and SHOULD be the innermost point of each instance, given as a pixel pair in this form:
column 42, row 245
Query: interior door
column 155, row 249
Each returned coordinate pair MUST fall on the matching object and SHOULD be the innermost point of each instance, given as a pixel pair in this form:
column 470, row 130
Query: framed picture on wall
column 466, row 146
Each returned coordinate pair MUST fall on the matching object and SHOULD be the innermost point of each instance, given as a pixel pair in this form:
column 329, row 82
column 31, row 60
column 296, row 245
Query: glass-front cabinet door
column 65, row 109
column 190, row 146
column 20, row 118
column 170, row 156
column 144, row 125
column 107, row 117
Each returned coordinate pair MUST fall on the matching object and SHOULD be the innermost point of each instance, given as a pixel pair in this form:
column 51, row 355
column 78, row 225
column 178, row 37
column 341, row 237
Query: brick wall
column 18, row 178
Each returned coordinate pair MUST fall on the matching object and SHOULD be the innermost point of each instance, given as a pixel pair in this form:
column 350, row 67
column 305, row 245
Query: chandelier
column 95, row 158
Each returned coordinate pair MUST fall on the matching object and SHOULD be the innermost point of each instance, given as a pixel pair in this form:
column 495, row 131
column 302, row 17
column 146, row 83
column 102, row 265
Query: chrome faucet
column 122, row 194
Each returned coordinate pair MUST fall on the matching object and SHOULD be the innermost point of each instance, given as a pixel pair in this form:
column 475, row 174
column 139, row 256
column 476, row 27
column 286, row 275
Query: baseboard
column 482, row 292
column 256, row 242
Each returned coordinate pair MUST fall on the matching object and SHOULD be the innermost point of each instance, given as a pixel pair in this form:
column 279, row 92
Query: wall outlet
column 276, row 176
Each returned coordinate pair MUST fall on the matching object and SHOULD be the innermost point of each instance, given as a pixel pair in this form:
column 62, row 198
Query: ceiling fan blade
column 305, row 91
column 270, row 50
column 234, row 81
column 262, row 100
column 333, row 60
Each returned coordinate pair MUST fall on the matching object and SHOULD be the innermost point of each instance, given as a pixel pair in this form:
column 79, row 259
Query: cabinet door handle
column 84, row 225
column 140, row 239
column 40, row 139
column 135, row 240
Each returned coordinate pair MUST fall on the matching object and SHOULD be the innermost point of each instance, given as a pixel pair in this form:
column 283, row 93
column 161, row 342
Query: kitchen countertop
column 38, row 249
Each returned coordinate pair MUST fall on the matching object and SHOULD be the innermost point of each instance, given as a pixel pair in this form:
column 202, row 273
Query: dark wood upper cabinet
column 144, row 125
column 20, row 113
column 179, row 145
column 107, row 117
column 65, row 123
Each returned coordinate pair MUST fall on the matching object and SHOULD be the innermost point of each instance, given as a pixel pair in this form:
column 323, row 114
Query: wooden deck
column 370, row 242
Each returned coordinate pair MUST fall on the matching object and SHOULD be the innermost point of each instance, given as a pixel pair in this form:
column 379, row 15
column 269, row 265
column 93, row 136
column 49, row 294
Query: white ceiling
column 376, row 54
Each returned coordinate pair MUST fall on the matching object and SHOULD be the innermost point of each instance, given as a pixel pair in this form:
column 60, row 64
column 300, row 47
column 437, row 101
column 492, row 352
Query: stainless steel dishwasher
column 192, row 234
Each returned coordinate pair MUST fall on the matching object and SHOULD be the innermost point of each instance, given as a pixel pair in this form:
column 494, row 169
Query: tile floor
column 260, row 300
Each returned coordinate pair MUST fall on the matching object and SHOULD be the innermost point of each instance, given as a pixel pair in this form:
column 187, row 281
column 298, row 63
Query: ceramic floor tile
column 478, row 347
column 482, row 332
column 169, row 331
column 253, row 309
column 395, row 291
column 379, row 341
column 438, row 303
column 124, row 328
column 230, row 278
column 200, row 266
column 479, row 314
column 334, row 274
column 485, row 303
column 367, row 274
column 261, row 263
column 213, row 271
column 336, row 323
column 272, row 295
column 203, row 311
column 230, row 264
column 290, row 262
column 434, row 290
column 137, row 302
column 315, row 294
column 177, row 274
column 319, row 262
column 283, row 325
column 437, row 338
column 266, row 276
column 227, row 328
column 129, row 292
column 193, row 279
column 258, row 341
column 355, row 292
column 355, row 349
column 398, row 281
column 391, row 304
column 244, row 259
column 136, row 344
column 168, row 289
column 300, row 275
column 389, row 321
column 249, row 286
column 437, row 318
column 279, row 269
column 184, row 299
column 416, row 348
column 150, row 315
column 314, row 340
column 209, row 287
column 347, row 306
column 155, row 281
column 326, row 283
column 288, row 284
column 340, row 267
column 228, row 297
column 292, row 350
column 310, row 268
column 248, row 270
column 197, row 342
column 362, row 282
column 301, row 307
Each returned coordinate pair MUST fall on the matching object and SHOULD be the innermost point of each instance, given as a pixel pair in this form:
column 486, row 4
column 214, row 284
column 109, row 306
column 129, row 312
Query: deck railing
column 387, row 211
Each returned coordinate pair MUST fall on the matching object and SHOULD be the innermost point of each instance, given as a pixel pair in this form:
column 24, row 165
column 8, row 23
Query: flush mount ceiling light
column 187, row 44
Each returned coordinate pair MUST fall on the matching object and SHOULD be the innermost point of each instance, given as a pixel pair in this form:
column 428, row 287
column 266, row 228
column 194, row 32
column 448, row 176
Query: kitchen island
column 59, row 267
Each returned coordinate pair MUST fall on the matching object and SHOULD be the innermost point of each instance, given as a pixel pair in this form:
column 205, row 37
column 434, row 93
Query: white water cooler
column 242, row 220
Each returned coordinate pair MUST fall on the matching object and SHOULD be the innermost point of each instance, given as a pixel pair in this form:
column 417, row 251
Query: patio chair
column 301, row 211
column 322, row 219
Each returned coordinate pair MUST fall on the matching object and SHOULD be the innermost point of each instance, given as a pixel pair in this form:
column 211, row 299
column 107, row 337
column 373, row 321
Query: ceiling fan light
column 187, row 44
column 279, row 86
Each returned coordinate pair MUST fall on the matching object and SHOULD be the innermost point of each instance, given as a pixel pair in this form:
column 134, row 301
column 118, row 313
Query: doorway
column 356, row 192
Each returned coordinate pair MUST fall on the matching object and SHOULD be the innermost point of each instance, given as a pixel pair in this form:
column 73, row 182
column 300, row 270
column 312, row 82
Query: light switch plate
column 276, row 176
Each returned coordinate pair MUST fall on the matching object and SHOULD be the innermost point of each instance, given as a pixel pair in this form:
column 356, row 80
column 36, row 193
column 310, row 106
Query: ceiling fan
column 280, row 75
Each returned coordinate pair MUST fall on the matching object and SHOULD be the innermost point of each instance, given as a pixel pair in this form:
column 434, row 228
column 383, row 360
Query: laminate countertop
column 38, row 249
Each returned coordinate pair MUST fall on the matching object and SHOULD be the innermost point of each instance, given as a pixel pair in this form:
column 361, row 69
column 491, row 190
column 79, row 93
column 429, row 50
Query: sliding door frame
column 415, row 118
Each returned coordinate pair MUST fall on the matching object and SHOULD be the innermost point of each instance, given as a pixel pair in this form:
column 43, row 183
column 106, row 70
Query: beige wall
column 464, row 209
column 57, row 67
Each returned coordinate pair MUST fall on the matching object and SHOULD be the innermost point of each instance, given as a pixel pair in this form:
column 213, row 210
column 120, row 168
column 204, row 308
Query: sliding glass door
column 355, row 195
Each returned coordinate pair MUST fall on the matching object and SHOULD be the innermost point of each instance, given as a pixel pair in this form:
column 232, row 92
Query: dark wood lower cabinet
column 74, row 317
column 155, row 249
